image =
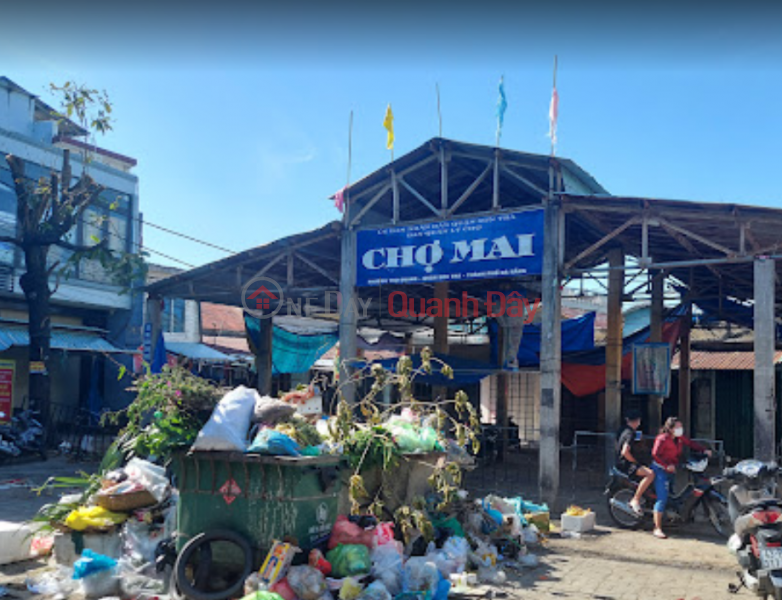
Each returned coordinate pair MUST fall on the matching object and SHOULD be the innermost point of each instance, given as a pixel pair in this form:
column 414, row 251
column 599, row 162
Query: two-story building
column 94, row 321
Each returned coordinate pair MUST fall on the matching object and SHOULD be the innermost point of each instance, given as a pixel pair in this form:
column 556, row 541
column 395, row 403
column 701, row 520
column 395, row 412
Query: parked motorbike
column 24, row 435
column 756, row 514
column 681, row 507
column 490, row 440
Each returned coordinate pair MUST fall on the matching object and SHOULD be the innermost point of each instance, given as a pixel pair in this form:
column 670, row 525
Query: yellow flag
column 388, row 123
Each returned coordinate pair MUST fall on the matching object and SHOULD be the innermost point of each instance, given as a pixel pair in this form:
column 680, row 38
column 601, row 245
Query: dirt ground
column 608, row 564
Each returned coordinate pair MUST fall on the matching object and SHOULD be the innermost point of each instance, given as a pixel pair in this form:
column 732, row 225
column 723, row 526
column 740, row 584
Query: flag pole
column 341, row 199
column 439, row 114
column 554, row 91
column 350, row 146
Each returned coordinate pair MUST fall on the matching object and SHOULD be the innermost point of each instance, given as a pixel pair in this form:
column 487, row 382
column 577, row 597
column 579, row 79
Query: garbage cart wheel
column 193, row 569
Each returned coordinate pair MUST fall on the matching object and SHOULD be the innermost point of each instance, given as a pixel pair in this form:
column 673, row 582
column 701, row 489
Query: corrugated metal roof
column 197, row 351
column 722, row 361
column 62, row 339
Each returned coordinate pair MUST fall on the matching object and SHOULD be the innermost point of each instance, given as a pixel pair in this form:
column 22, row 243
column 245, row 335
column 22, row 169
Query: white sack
column 227, row 428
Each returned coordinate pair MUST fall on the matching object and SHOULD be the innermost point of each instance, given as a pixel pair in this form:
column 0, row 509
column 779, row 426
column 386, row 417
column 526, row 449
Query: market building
column 451, row 236
column 94, row 325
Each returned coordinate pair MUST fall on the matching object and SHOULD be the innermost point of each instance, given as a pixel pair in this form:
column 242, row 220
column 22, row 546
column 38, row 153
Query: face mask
column 678, row 432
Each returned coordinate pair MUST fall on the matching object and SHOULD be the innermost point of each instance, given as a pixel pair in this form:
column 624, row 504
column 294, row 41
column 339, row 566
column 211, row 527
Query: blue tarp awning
column 465, row 371
column 196, row 351
column 16, row 334
column 578, row 335
column 291, row 352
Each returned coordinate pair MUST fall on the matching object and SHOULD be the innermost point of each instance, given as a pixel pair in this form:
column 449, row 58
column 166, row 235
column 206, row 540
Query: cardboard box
column 541, row 520
column 578, row 524
column 277, row 562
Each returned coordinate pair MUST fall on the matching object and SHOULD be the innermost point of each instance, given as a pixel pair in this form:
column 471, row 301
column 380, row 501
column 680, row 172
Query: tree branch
column 79, row 247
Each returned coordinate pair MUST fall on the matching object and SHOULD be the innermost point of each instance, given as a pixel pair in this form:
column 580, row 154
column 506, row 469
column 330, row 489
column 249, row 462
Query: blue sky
column 244, row 144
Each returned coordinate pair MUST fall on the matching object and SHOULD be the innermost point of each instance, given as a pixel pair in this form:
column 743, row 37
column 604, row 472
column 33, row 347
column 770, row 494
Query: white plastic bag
column 420, row 574
column 227, row 428
column 457, row 549
column 387, row 566
column 151, row 476
column 375, row 591
column 307, row 582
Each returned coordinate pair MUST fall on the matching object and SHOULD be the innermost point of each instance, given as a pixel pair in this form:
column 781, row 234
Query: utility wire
column 184, row 235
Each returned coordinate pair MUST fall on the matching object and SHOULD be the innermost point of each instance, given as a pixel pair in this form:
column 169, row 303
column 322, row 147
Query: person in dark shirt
column 627, row 463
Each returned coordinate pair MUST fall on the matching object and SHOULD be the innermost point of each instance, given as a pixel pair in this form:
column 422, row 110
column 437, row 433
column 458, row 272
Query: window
column 118, row 228
column 92, row 229
column 173, row 316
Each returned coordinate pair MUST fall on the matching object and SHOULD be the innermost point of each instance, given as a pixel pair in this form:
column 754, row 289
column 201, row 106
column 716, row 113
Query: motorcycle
column 681, row 507
column 756, row 514
column 24, row 435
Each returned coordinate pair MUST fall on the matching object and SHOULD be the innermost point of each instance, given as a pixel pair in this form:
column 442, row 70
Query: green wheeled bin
column 264, row 498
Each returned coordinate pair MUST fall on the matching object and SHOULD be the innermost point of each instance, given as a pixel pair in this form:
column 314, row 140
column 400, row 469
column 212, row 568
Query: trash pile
column 364, row 559
column 113, row 541
column 274, row 474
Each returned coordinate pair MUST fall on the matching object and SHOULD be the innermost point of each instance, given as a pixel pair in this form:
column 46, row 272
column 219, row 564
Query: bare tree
column 47, row 211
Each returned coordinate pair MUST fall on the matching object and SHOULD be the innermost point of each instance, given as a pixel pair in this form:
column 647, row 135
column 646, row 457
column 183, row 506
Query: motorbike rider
column 626, row 461
column 666, row 452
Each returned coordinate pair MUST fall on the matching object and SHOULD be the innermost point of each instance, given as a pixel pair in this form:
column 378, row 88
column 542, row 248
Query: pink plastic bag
column 347, row 533
column 384, row 534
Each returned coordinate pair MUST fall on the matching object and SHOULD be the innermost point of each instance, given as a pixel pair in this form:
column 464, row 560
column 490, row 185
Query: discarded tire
column 193, row 571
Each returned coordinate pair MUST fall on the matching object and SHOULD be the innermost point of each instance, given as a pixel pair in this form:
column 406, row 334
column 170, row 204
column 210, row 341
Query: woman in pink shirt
column 666, row 453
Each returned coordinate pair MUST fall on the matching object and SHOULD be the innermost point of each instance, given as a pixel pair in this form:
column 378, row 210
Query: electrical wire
column 184, row 235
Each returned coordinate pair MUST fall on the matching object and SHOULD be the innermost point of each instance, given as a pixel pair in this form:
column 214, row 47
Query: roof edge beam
column 468, row 192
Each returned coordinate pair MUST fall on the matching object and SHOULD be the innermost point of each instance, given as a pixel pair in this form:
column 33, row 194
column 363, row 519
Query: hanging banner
column 652, row 369
column 7, row 369
column 506, row 245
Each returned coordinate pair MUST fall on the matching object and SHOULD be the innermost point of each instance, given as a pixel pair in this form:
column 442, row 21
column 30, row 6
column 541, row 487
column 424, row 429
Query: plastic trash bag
column 387, row 562
column 411, row 438
column 151, row 476
column 274, row 443
column 530, row 535
column 351, row 589
column 319, row 562
column 348, row 560
column 262, row 595
column 375, row 591
column 93, row 517
column 346, row 532
column 442, row 590
column 384, row 534
column 227, row 428
column 307, row 582
column 271, row 411
column 420, row 574
column 91, row 563
column 452, row 558
column 100, row 585
column 283, row 588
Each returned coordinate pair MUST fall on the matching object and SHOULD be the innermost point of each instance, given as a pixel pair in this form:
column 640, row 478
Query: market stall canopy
column 63, row 338
column 197, row 351
column 709, row 248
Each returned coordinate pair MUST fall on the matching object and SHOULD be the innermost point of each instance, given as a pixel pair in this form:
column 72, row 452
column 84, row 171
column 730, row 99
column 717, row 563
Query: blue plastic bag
column 91, row 563
column 274, row 443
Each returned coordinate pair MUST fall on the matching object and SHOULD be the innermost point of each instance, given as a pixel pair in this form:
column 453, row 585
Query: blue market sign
column 506, row 245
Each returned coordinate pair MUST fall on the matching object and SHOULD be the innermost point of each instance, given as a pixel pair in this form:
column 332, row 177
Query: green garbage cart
column 264, row 498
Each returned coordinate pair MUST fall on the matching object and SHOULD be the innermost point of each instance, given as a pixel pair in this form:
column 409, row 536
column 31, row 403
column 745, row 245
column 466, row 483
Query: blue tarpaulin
column 465, row 370
column 578, row 335
column 291, row 352
column 160, row 358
